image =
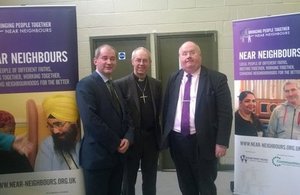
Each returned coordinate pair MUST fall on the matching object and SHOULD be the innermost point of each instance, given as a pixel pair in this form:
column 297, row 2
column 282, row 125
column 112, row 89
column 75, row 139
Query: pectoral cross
column 143, row 97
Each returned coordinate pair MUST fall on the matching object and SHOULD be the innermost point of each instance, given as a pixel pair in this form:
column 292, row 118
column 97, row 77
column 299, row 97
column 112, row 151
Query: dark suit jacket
column 213, row 117
column 103, row 126
column 127, row 86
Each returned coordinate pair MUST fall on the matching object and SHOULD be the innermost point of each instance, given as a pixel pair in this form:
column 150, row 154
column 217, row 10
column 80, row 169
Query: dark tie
column 185, row 115
column 113, row 95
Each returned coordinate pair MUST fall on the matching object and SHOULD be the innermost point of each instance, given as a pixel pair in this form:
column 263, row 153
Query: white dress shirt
column 193, row 96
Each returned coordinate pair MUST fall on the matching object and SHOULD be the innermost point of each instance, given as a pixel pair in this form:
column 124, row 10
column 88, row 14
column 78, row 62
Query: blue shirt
column 48, row 159
column 6, row 141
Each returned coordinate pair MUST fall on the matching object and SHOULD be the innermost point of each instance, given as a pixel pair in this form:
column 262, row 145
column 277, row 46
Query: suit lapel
column 100, row 82
column 103, row 87
column 152, row 93
column 201, row 85
column 133, row 91
column 119, row 95
column 174, row 92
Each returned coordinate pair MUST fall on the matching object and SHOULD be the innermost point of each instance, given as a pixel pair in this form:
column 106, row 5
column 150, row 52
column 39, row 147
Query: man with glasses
column 60, row 151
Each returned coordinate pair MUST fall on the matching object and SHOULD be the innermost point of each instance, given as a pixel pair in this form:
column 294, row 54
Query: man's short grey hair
column 98, row 50
column 133, row 54
column 289, row 82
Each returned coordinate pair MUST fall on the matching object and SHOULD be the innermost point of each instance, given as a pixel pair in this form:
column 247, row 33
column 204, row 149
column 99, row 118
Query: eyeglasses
column 57, row 124
column 139, row 60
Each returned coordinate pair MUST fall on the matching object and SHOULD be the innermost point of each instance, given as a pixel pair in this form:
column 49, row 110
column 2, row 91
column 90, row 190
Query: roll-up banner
column 267, row 63
column 38, row 76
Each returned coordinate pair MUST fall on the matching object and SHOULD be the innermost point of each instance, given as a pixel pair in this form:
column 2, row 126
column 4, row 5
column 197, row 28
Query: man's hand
column 22, row 145
column 220, row 151
column 124, row 145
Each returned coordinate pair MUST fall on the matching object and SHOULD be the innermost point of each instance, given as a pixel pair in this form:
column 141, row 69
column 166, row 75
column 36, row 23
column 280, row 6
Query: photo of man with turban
column 60, row 150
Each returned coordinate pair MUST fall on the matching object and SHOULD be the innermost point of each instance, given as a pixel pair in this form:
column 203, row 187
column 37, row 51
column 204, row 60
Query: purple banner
column 38, row 50
column 267, row 48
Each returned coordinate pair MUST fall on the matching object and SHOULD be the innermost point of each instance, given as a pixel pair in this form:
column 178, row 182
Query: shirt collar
column 196, row 73
column 105, row 79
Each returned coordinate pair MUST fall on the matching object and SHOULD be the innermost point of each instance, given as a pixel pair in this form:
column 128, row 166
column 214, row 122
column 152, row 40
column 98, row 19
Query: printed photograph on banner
column 267, row 108
column 50, row 121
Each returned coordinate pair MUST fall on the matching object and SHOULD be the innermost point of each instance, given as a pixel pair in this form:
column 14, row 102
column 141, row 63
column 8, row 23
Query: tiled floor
column 167, row 183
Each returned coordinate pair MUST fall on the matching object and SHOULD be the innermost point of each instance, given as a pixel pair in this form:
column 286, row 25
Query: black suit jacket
column 103, row 126
column 213, row 115
column 127, row 86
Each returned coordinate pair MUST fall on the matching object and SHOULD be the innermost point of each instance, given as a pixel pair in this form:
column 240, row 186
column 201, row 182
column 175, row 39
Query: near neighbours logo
column 247, row 34
column 244, row 35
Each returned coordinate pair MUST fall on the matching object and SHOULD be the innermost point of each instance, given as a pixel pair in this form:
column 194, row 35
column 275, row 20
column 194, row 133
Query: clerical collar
column 139, row 79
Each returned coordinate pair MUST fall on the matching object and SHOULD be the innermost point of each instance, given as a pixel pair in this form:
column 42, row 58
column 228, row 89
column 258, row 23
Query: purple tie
column 185, row 115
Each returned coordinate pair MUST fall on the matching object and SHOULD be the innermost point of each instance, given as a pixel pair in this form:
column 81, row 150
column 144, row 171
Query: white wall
column 122, row 17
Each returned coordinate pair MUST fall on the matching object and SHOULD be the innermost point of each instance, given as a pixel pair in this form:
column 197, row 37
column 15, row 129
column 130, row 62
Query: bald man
column 197, row 117
column 60, row 151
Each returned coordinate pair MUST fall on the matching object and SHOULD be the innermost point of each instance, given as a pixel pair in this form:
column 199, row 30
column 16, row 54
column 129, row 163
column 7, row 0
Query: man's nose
column 290, row 92
column 108, row 61
column 189, row 55
column 57, row 130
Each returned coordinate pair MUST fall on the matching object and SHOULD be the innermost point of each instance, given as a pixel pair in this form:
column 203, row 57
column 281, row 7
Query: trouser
column 103, row 181
column 143, row 154
column 195, row 175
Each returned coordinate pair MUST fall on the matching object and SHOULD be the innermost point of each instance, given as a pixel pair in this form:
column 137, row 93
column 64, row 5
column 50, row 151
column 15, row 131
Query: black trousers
column 195, row 175
column 142, row 154
column 103, row 181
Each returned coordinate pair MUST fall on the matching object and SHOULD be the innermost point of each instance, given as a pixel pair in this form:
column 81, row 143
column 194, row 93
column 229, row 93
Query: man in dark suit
column 196, row 145
column 143, row 97
column 107, row 133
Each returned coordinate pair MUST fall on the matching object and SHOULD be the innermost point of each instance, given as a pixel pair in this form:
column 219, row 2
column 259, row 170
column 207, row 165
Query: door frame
column 165, row 161
column 192, row 34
